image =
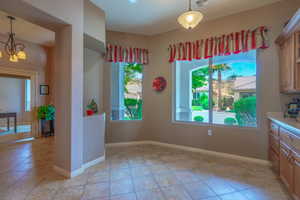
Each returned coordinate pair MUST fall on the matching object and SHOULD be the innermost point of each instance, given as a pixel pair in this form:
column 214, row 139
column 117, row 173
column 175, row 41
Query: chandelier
column 190, row 19
column 15, row 51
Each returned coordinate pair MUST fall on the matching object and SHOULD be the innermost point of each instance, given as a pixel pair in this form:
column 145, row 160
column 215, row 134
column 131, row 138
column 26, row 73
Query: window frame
column 210, row 124
column 110, row 96
column 26, row 95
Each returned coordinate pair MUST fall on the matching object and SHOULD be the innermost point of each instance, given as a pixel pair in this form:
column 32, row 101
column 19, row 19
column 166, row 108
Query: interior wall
column 123, row 131
column 157, row 110
column 93, row 78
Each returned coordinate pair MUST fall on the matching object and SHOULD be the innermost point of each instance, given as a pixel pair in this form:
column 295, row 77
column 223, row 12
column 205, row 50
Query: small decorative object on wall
column 159, row 84
column 92, row 108
column 44, row 89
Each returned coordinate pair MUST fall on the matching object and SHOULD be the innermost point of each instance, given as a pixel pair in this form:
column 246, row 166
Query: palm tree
column 219, row 69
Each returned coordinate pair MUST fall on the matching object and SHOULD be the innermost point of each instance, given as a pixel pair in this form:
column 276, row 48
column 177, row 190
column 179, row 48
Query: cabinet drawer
column 296, row 189
column 274, row 129
column 295, row 143
column 286, row 136
column 286, row 167
column 274, row 143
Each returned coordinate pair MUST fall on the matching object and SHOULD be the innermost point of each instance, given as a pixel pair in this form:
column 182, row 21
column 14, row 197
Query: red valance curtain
column 233, row 43
column 115, row 53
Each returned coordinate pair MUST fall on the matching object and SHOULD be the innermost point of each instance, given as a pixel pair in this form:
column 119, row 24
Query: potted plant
column 92, row 108
column 46, row 114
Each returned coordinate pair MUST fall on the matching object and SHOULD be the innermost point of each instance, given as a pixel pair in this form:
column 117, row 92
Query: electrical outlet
column 209, row 132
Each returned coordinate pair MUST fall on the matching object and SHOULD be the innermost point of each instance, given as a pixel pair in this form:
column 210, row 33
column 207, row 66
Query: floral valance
column 115, row 53
column 233, row 43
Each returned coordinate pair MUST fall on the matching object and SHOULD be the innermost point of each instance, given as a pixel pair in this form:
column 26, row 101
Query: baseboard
column 194, row 149
column 119, row 144
column 79, row 171
column 94, row 162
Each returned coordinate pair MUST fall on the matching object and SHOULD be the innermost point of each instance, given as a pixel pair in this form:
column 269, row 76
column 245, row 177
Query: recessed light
column 132, row 1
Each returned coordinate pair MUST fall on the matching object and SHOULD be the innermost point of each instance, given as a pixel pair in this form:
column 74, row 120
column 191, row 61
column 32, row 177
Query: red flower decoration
column 159, row 84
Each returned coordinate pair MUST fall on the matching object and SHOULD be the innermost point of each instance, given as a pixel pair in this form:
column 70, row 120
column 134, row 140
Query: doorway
column 17, row 104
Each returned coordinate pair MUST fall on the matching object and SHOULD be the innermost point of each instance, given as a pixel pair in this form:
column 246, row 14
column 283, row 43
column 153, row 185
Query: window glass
column 126, row 93
column 192, row 91
column 222, row 92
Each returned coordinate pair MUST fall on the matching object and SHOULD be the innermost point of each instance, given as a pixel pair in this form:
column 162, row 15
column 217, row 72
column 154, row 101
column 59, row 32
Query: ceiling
column 27, row 31
column 150, row 17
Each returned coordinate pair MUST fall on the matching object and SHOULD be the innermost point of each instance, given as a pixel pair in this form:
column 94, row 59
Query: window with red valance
column 233, row 43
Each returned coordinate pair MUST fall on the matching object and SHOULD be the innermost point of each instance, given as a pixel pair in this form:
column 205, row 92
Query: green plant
column 229, row 121
column 46, row 112
column 133, row 108
column 92, row 106
column 199, row 118
column 245, row 109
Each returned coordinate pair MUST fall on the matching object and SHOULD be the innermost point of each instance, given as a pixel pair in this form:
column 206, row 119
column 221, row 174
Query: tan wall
column 94, row 21
column 122, row 131
column 93, row 78
column 158, row 125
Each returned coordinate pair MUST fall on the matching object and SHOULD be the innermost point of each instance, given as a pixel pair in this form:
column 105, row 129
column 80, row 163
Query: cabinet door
column 296, row 191
column 298, row 47
column 287, row 64
column 274, row 158
column 286, row 167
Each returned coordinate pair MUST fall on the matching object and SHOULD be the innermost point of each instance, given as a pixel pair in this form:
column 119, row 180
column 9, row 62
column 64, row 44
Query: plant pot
column 47, row 127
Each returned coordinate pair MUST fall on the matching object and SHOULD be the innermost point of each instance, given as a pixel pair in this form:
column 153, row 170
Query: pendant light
column 190, row 19
column 15, row 51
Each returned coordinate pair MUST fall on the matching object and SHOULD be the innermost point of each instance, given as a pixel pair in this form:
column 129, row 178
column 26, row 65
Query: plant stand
column 47, row 127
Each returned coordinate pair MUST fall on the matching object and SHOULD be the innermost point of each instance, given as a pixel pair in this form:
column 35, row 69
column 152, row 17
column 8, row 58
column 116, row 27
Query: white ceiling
column 27, row 31
column 151, row 17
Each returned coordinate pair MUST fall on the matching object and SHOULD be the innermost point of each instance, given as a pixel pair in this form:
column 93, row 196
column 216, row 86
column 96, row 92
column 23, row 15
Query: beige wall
column 157, row 124
column 93, row 78
column 123, row 131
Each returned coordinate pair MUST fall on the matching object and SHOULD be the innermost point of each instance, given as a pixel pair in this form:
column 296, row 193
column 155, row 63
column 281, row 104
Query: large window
column 126, row 91
column 219, row 90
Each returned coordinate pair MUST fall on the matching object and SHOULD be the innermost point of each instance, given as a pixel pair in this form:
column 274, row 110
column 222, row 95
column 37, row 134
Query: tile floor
column 142, row 172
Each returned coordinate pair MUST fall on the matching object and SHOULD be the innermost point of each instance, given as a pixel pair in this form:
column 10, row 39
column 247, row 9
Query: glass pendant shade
column 21, row 55
column 1, row 54
column 190, row 19
column 13, row 58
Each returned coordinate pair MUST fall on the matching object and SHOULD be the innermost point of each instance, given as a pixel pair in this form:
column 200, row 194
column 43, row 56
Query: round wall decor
column 159, row 84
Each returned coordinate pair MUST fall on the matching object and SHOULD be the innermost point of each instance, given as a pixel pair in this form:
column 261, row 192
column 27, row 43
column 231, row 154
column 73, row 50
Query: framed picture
column 44, row 89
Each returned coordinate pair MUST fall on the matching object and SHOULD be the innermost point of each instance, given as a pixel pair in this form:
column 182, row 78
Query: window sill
column 117, row 121
column 203, row 124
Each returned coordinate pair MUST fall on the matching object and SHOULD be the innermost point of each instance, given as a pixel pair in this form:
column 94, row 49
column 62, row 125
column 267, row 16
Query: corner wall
column 157, row 111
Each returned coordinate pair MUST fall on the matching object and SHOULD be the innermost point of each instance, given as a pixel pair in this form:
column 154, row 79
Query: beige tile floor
column 142, row 172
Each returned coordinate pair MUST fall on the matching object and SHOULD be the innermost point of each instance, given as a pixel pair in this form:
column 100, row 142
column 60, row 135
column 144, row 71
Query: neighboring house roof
column 245, row 83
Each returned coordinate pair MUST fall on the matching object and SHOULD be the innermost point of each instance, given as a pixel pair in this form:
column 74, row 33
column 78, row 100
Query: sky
column 239, row 69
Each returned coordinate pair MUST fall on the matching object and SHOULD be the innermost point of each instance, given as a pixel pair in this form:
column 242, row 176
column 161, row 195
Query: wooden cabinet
column 296, row 189
column 286, row 167
column 284, row 155
column 289, row 56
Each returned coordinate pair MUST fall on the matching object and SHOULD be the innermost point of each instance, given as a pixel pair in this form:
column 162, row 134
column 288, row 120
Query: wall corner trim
column 194, row 149
column 79, row 171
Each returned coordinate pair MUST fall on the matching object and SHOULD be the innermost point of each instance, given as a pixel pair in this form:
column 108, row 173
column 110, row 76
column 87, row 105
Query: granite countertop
column 287, row 123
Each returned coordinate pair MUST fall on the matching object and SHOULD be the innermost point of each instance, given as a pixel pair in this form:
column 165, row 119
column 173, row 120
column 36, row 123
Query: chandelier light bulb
column 22, row 55
column 13, row 58
column 1, row 55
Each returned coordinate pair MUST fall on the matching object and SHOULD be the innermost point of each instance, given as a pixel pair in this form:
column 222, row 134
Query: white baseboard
column 194, row 149
column 79, row 171
column 120, row 144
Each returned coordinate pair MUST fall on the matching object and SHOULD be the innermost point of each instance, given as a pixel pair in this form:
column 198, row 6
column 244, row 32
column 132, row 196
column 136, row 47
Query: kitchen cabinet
column 289, row 56
column 296, row 189
column 284, row 155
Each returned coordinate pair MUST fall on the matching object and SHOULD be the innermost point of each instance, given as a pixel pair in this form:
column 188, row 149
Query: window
column 126, row 91
column 27, row 95
column 219, row 90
